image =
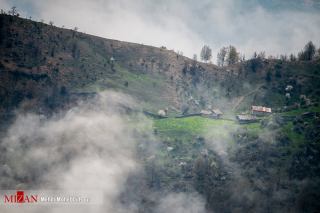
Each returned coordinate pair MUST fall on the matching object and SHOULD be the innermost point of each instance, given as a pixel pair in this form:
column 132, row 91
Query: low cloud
column 92, row 146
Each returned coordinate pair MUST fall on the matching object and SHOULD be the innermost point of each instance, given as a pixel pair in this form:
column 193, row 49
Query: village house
column 217, row 113
column 245, row 119
column 214, row 113
column 205, row 113
column 260, row 110
column 163, row 112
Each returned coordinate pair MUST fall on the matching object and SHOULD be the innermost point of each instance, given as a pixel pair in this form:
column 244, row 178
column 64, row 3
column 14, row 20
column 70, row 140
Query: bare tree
column 206, row 53
column 13, row 11
column 255, row 55
column 262, row 55
column 283, row 57
column 293, row 57
column 51, row 23
column 242, row 57
column 179, row 52
column 74, row 31
column 221, row 57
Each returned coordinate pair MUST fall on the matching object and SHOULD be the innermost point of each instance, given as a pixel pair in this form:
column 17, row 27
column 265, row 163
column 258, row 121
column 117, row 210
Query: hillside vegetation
column 271, row 165
column 40, row 64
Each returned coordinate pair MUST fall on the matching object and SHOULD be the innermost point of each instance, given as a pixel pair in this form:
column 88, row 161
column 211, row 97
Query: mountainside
column 213, row 164
column 41, row 64
column 44, row 63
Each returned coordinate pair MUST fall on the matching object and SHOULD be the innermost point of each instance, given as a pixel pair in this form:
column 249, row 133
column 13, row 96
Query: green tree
column 195, row 57
column 308, row 53
column 206, row 53
column 233, row 55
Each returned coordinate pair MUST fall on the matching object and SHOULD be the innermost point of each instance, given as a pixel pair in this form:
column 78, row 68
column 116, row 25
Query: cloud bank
column 92, row 146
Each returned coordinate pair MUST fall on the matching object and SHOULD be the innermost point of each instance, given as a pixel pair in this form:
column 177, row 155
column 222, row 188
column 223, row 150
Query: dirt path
column 237, row 104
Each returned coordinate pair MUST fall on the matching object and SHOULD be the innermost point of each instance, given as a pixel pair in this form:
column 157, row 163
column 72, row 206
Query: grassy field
column 189, row 128
column 193, row 125
column 149, row 89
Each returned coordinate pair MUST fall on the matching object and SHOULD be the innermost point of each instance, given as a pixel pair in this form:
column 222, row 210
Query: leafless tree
column 13, row 11
column 221, row 57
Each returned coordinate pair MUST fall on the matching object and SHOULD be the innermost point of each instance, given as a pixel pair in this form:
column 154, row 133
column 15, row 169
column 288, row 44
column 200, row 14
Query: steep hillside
column 44, row 63
column 43, row 67
column 271, row 165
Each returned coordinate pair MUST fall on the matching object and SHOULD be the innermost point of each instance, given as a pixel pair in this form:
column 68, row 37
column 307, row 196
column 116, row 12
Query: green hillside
column 39, row 70
column 273, row 162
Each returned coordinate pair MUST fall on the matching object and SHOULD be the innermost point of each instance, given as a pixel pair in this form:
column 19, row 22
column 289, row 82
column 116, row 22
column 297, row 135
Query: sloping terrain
column 43, row 63
column 40, row 64
column 267, row 166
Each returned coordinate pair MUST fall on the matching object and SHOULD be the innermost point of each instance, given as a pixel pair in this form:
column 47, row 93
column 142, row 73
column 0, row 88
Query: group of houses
column 215, row 113
column 209, row 113
column 256, row 111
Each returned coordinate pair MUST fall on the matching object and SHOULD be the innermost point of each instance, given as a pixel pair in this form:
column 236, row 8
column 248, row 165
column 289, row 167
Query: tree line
column 229, row 55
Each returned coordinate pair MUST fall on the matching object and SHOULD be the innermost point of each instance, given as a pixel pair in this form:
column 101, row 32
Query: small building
column 215, row 113
column 260, row 110
column 206, row 113
column 163, row 112
column 245, row 119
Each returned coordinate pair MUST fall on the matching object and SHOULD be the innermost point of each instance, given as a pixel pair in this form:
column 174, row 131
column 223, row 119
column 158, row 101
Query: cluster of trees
column 229, row 55
column 308, row 53
column 226, row 56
